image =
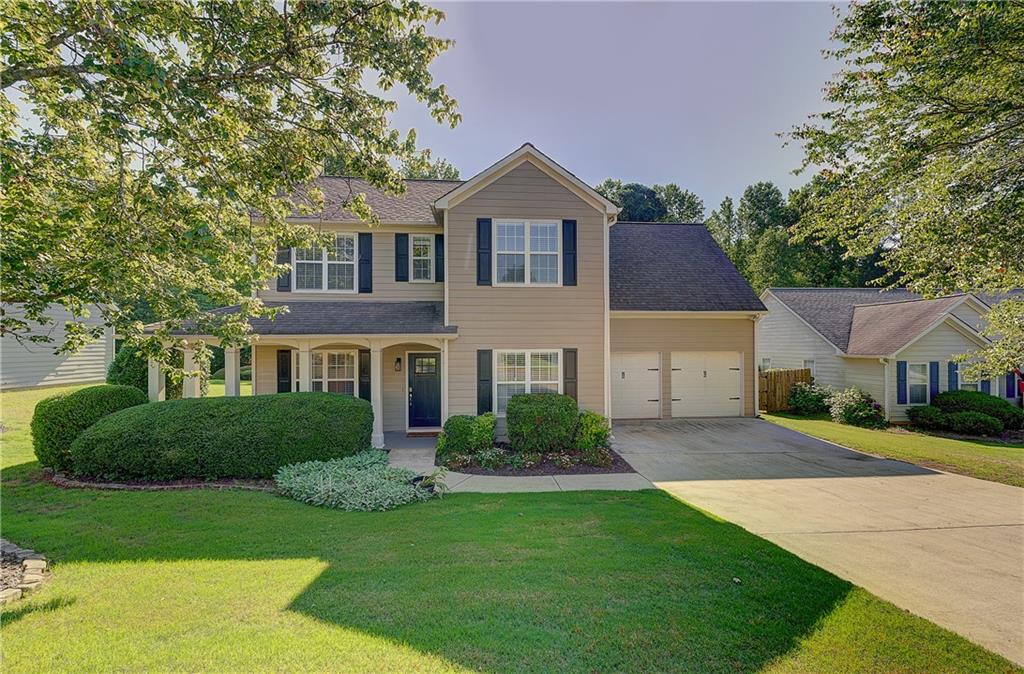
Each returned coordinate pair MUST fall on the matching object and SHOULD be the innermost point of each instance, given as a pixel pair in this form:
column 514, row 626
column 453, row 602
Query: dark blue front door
column 424, row 390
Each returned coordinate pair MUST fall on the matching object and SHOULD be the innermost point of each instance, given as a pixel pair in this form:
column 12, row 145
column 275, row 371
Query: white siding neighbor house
column 27, row 364
column 893, row 344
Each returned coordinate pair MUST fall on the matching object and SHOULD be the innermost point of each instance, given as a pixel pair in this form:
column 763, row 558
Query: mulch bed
column 66, row 482
column 619, row 465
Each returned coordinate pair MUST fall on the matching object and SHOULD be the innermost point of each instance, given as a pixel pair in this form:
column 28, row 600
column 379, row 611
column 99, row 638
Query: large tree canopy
column 660, row 203
column 141, row 138
column 923, row 151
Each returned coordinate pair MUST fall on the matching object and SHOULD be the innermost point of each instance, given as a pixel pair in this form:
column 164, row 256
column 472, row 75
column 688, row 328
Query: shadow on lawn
column 501, row 583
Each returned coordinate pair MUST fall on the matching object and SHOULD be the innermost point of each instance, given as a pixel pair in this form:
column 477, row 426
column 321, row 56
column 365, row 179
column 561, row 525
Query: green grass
column 16, row 417
column 217, row 388
column 988, row 460
column 586, row 581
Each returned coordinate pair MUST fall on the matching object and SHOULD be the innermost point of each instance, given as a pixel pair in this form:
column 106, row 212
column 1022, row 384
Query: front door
column 424, row 390
column 284, row 370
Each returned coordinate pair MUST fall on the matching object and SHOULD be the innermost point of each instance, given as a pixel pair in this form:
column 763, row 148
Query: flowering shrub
column 856, row 408
column 807, row 399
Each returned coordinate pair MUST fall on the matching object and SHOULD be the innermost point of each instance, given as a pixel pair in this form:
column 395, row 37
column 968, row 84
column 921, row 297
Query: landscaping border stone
column 33, row 571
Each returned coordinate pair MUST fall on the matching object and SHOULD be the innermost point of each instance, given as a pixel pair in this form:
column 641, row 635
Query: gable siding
column 940, row 345
column 384, row 285
column 28, row 365
column 525, row 317
column 970, row 316
column 785, row 339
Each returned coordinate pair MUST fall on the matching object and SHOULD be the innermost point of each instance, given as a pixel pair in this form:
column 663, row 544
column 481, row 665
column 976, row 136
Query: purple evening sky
column 692, row 93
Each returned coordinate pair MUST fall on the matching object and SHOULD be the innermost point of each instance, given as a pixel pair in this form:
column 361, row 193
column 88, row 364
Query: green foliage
column 458, row 461
column 597, row 456
column 973, row 423
column 660, row 203
column 564, row 460
column 465, row 434
column 363, row 482
column 210, row 438
column 58, row 420
column 129, row 368
column 856, row 408
column 592, row 431
column 491, row 458
column 521, row 460
column 923, row 124
column 928, row 417
column 541, row 422
column 420, row 166
column 807, row 399
column 680, row 205
column 149, row 133
column 1011, row 416
column 244, row 373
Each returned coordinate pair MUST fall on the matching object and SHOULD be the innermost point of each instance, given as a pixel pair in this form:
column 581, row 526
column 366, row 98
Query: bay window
column 518, row 372
column 527, row 252
column 327, row 269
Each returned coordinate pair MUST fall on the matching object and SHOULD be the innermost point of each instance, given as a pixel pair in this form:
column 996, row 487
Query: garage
column 636, row 385
column 707, row 384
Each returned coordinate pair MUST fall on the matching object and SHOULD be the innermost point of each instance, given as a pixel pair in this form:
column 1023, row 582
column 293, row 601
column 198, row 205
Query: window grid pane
column 511, row 268
column 511, row 237
column 525, row 372
column 512, row 367
column 309, row 276
column 421, row 270
column 341, row 276
column 544, row 238
column 544, row 367
column 543, row 268
column 344, row 249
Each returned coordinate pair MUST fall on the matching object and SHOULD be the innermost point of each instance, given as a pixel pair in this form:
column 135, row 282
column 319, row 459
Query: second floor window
column 422, row 257
column 331, row 268
column 527, row 252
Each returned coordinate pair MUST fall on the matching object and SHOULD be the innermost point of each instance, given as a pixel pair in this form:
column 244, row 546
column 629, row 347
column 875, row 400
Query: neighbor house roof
column 347, row 318
column 883, row 329
column 415, row 206
column 673, row 267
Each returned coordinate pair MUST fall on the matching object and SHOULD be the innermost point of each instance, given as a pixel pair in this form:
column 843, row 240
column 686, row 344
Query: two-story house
column 517, row 280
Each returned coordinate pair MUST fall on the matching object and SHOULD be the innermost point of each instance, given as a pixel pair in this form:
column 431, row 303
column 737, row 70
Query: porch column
column 444, row 381
column 305, row 368
column 157, row 382
column 232, row 372
column 376, row 394
column 190, row 384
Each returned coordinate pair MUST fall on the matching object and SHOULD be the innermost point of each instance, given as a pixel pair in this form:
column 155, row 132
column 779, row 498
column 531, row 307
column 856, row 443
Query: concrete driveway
column 946, row 547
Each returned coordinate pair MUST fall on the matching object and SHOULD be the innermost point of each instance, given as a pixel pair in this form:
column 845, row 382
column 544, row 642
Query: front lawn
column 16, row 409
column 987, row 460
column 585, row 581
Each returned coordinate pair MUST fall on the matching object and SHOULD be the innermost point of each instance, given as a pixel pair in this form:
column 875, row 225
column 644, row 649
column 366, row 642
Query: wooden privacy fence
column 776, row 385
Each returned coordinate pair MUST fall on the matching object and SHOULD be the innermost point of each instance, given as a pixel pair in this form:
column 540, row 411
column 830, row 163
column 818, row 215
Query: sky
column 691, row 93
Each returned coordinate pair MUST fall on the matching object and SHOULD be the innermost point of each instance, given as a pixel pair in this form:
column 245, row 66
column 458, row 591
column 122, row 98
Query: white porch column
column 190, row 384
column 444, row 381
column 305, row 368
column 232, row 372
column 157, row 382
column 376, row 394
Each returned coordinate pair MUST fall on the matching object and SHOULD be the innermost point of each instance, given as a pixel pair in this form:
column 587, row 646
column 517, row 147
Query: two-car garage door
column 703, row 384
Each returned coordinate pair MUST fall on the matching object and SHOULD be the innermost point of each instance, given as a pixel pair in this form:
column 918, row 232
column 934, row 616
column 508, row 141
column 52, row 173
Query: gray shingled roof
column 412, row 207
column 883, row 329
column 674, row 267
column 305, row 317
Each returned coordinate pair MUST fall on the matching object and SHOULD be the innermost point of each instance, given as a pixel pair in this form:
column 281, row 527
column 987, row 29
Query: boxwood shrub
column 1011, row 416
column 541, row 422
column 210, row 438
column 592, row 432
column 928, row 417
column 59, row 419
column 465, row 434
column 973, row 423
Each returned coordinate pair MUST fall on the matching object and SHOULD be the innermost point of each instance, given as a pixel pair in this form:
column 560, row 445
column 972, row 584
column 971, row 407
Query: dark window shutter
column 483, row 251
column 401, row 257
column 953, row 375
column 986, row 386
column 568, row 252
column 933, row 380
column 366, row 263
column 484, row 380
column 439, row 257
column 570, row 376
column 364, row 374
column 284, row 281
column 1011, row 385
column 901, row 382
column 284, row 370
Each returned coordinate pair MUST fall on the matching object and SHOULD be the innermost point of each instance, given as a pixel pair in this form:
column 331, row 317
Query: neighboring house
column 895, row 345
column 517, row 280
column 25, row 364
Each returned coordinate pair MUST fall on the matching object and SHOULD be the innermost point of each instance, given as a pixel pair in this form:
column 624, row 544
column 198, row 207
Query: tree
column 924, row 149
column 150, row 134
column 762, row 207
column 420, row 166
column 680, row 205
column 639, row 203
column 725, row 229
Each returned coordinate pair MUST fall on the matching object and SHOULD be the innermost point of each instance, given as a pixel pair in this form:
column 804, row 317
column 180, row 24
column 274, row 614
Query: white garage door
column 636, row 385
column 707, row 384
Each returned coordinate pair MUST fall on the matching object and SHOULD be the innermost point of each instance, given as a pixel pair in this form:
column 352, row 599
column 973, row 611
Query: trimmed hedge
column 1009, row 415
column 541, row 422
column 807, row 399
column 973, row 423
column 928, row 417
column 592, row 432
column 211, row 438
column 58, row 420
column 466, row 434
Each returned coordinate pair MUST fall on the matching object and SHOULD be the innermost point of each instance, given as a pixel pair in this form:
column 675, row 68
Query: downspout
column 756, row 372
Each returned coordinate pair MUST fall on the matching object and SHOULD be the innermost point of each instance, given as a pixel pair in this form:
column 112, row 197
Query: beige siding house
column 895, row 345
column 28, row 365
column 517, row 280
